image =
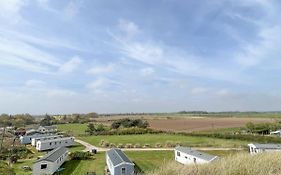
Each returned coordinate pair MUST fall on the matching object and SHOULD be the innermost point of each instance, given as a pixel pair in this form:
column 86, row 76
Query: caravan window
column 43, row 166
column 123, row 170
column 178, row 154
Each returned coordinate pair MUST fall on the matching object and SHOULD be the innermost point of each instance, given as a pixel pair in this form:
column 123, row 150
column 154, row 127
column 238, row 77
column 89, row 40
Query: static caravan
column 27, row 139
column 48, row 137
column 42, row 145
column 47, row 129
column 51, row 162
column 118, row 163
column 255, row 148
column 188, row 156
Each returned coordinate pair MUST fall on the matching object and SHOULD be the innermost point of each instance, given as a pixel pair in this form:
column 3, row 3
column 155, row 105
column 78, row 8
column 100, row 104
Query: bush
column 128, row 123
column 137, row 145
column 79, row 155
column 120, row 145
column 129, row 145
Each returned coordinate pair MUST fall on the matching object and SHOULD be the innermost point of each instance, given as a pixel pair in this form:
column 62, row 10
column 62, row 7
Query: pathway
column 90, row 147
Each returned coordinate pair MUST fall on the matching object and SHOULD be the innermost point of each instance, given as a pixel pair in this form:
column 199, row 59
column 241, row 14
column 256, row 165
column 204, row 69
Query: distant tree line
column 129, row 123
column 17, row 120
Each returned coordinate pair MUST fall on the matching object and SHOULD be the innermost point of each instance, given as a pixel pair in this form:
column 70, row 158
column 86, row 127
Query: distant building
column 118, row 163
column 44, row 137
column 26, row 139
column 277, row 133
column 51, row 162
column 20, row 132
column 188, row 156
column 42, row 145
column 47, row 129
column 255, row 148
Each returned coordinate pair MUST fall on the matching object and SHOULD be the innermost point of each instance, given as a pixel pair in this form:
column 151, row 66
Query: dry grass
column 239, row 164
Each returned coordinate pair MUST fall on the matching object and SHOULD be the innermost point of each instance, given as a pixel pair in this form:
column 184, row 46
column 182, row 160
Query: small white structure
column 255, row 148
column 47, row 129
column 51, row 162
column 188, row 156
column 46, row 137
column 277, row 133
column 118, row 163
column 42, row 145
column 27, row 139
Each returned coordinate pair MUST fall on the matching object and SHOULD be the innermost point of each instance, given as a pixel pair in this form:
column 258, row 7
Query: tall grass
column 238, row 164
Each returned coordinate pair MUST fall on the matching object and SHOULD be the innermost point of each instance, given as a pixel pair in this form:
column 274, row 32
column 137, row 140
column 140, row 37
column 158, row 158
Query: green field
column 73, row 129
column 163, row 139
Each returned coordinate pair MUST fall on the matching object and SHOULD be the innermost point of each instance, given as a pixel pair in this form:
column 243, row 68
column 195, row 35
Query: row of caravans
column 43, row 145
column 45, row 137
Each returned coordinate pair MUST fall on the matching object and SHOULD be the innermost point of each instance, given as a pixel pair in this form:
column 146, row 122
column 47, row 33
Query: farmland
column 190, row 123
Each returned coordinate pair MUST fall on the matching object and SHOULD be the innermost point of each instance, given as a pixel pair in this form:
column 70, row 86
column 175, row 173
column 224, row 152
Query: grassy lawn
column 145, row 161
column 153, row 139
column 80, row 167
column 73, row 129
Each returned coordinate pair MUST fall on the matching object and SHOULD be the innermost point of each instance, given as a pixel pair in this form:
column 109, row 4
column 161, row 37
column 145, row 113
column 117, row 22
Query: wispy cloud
column 158, row 54
column 101, row 69
column 70, row 65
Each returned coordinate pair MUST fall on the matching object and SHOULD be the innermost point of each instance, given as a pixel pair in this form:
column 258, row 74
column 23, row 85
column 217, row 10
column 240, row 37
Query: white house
column 277, row 133
column 46, row 137
column 47, row 129
column 188, row 156
column 118, row 163
column 51, row 162
column 42, row 145
column 255, row 148
column 27, row 139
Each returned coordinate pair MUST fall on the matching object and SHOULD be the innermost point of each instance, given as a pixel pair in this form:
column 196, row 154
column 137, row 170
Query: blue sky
column 139, row 56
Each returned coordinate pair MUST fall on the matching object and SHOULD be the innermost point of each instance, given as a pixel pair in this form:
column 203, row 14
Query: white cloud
column 97, row 84
column 147, row 71
column 130, row 28
column 101, row 69
column 72, row 9
column 223, row 92
column 10, row 11
column 35, row 83
column 157, row 54
column 60, row 93
column 70, row 65
column 199, row 90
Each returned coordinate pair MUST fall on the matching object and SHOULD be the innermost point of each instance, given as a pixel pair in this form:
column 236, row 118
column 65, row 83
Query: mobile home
column 255, row 148
column 42, row 145
column 50, row 163
column 27, row 139
column 189, row 156
column 118, row 163
column 48, row 137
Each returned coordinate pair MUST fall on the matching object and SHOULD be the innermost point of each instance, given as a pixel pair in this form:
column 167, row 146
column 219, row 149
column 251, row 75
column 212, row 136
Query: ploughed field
column 201, row 123
column 189, row 123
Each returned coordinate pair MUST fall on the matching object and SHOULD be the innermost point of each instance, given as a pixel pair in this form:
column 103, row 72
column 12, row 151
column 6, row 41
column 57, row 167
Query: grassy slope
column 153, row 139
column 242, row 164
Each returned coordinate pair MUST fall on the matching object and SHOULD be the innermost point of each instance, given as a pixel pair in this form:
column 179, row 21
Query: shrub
column 79, row 155
column 120, row 145
column 128, row 145
column 146, row 145
column 158, row 145
column 137, row 145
